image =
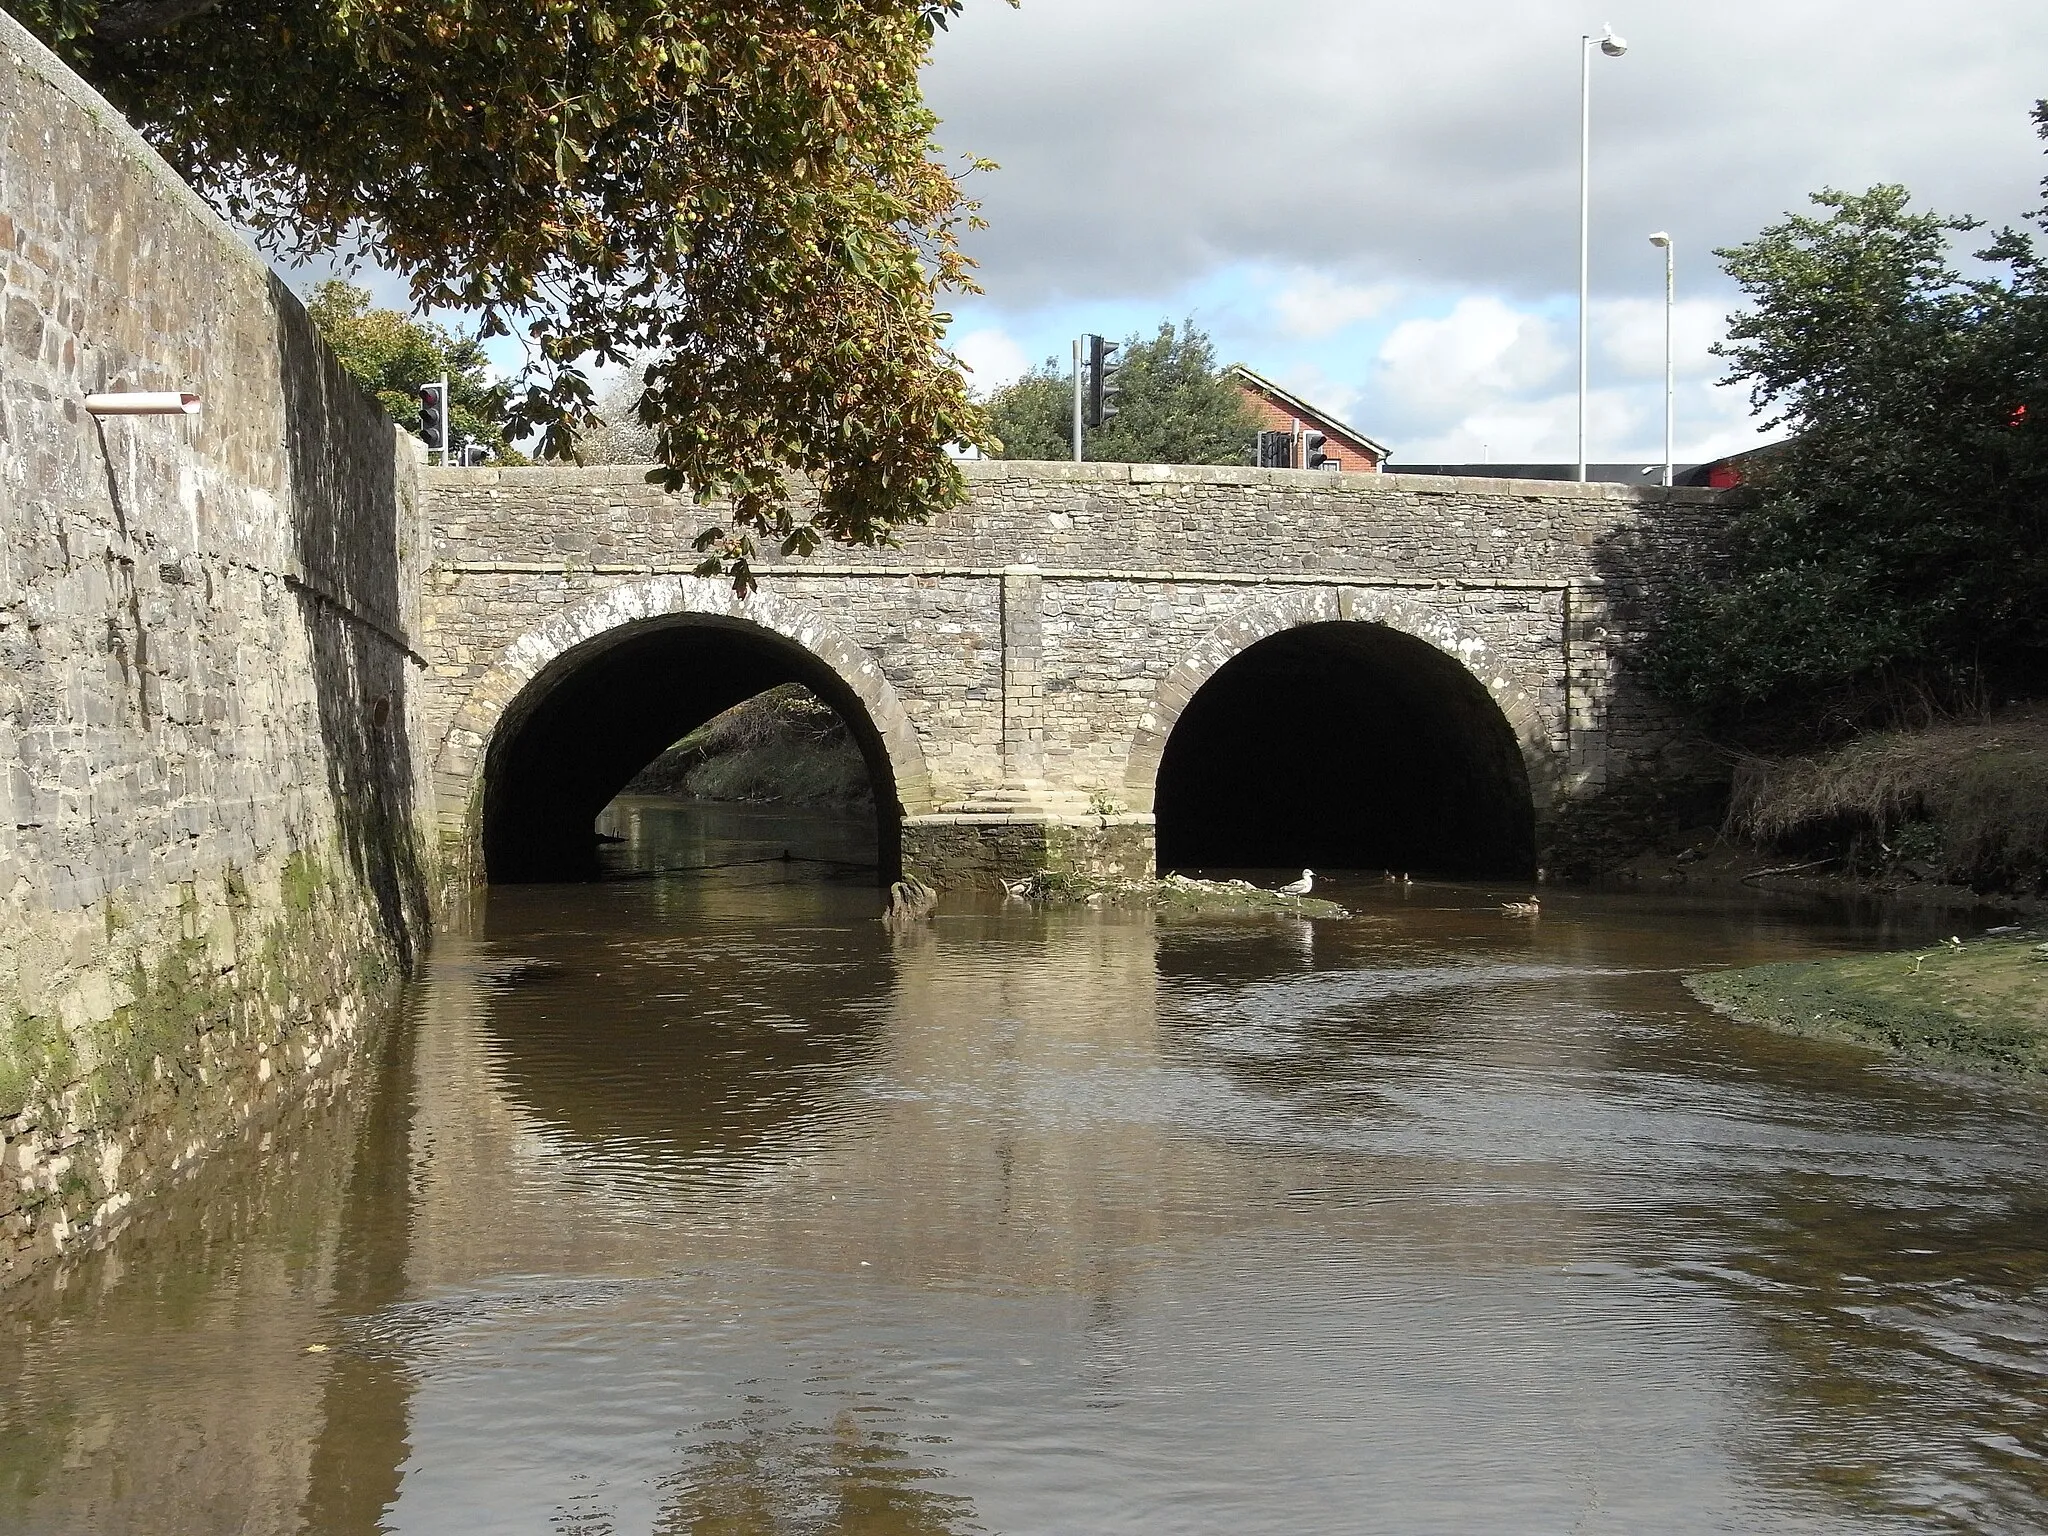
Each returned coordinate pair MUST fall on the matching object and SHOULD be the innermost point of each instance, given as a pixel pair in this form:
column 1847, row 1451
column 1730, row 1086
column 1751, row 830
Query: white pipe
column 144, row 402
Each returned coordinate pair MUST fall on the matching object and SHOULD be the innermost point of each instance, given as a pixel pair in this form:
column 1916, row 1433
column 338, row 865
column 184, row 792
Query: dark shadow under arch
column 605, row 709
column 1345, row 746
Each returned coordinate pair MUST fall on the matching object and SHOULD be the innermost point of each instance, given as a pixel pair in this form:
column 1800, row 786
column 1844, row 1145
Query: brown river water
column 703, row 1203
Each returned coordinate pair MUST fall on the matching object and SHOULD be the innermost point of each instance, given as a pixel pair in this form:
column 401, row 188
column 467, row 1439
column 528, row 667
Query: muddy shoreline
column 1978, row 1006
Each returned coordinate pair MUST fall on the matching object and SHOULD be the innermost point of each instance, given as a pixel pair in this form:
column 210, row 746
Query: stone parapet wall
column 209, row 697
column 1127, row 517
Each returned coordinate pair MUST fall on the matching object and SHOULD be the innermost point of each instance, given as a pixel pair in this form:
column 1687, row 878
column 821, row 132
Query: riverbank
column 782, row 747
column 1981, row 1006
column 1952, row 816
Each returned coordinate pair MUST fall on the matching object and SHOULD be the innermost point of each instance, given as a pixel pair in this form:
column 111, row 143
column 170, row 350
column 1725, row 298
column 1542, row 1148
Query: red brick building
column 1280, row 411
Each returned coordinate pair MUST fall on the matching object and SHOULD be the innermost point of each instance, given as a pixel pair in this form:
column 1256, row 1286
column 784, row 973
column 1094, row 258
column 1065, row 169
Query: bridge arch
column 640, row 634
column 1414, row 659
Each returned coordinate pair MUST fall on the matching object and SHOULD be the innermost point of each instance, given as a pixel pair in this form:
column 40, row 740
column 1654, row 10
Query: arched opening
column 1345, row 746
column 603, row 711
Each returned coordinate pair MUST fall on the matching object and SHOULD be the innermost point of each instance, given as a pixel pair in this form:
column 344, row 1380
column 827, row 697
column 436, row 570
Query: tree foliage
column 1898, row 549
column 1174, row 407
column 392, row 355
column 746, row 195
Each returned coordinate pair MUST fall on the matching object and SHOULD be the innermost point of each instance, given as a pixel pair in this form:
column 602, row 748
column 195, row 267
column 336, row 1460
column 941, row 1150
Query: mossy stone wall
column 210, row 799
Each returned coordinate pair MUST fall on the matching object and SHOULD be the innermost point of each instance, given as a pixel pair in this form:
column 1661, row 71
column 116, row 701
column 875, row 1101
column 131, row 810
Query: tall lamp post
column 1614, row 48
column 1670, row 291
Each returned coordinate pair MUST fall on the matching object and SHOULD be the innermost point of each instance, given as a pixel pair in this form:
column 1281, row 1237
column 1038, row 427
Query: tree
column 1174, row 407
column 746, row 195
column 392, row 355
column 1897, row 554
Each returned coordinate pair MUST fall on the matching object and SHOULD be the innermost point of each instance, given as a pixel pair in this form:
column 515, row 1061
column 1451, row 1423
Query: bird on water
column 1530, row 908
column 1300, row 887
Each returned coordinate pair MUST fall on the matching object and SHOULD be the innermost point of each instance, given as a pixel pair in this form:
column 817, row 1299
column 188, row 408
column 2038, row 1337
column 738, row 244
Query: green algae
column 1980, row 1006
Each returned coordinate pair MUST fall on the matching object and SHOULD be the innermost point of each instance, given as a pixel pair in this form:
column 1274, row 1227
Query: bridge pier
column 1025, row 825
column 985, row 847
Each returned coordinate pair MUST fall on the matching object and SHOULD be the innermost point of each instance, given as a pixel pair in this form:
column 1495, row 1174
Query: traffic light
column 475, row 453
column 434, row 418
column 1312, row 452
column 1102, row 388
column 1276, row 450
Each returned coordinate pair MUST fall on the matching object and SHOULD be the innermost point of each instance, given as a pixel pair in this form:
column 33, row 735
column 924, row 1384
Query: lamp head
column 1661, row 239
column 1614, row 47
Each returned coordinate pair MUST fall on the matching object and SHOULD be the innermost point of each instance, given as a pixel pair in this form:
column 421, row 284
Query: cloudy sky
column 1376, row 201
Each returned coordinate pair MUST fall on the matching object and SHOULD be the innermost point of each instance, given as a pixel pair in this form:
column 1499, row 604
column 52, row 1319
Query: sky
column 1376, row 202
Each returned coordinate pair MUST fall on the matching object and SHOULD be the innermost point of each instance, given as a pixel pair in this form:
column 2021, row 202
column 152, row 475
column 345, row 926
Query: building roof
column 1300, row 407
column 1628, row 472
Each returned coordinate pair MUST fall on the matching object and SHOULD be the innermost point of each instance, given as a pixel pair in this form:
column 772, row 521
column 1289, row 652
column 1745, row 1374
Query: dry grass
column 1969, row 798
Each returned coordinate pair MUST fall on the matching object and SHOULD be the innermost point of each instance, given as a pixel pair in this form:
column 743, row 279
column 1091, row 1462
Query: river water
column 702, row 1202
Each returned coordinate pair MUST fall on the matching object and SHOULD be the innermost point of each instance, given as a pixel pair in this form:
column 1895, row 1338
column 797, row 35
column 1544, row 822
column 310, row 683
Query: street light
column 1670, row 290
column 1614, row 48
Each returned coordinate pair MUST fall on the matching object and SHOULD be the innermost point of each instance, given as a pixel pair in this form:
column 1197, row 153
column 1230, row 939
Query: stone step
column 1025, row 800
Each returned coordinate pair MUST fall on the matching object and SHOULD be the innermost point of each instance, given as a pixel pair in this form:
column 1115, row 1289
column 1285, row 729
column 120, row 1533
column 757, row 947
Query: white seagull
column 1300, row 887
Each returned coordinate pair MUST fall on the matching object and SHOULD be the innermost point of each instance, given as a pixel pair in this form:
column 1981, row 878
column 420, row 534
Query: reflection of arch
column 1325, row 605
column 533, row 665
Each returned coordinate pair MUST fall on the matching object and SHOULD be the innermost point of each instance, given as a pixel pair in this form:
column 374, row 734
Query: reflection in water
column 705, row 1203
column 761, row 1476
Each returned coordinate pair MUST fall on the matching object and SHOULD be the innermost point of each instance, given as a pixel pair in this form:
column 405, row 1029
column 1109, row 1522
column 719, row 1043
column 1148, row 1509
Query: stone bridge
column 1251, row 667
column 245, row 655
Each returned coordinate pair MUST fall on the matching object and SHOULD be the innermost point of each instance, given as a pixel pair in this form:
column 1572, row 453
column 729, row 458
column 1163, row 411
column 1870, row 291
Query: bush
column 1897, row 554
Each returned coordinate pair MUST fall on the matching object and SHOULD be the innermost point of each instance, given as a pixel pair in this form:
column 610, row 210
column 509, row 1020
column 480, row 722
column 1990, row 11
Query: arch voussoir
column 1271, row 615
column 460, row 761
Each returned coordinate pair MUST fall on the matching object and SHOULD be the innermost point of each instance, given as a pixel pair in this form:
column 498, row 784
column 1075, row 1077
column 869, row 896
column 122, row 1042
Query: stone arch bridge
column 1086, row 665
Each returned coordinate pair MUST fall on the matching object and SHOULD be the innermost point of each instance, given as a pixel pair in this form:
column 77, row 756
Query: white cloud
column 993, row 358
column 1316, row 305
column 1621, row 426
column 1482, row 350
column 1493, row 381
column 1628, row 337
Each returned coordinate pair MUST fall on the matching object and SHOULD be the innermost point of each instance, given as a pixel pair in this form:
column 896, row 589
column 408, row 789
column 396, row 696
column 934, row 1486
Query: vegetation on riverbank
column 1981, row 1006
column 1954, row 814
column 1964, row 802
column 1865, row 653
column 1894, row 563
column 783, row 747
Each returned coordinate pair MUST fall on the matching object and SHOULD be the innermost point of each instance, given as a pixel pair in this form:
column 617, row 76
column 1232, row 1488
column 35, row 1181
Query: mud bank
column 1980, row 1006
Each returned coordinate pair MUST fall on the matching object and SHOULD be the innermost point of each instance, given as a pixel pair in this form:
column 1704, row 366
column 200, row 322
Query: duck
column 1530, row 908
column 1300, row 887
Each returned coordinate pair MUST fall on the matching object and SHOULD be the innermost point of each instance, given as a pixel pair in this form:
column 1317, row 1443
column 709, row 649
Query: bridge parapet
column 1157, row 520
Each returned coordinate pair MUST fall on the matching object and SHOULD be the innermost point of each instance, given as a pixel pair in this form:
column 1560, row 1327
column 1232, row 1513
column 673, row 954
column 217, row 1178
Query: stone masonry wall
column 209, row 703
column 1130, row 573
